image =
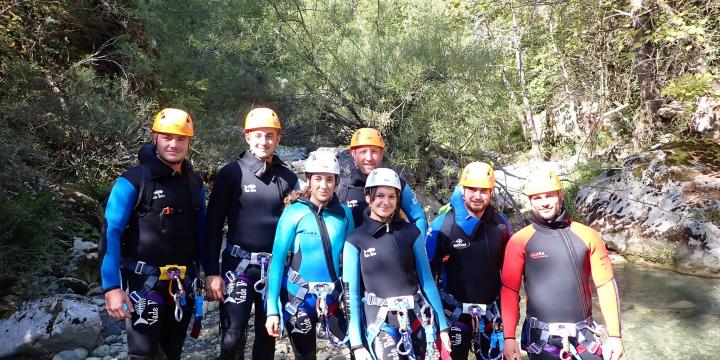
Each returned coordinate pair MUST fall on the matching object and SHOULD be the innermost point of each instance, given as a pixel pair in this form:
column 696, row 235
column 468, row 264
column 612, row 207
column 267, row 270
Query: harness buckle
column 230, row 276
column 533, row 348
column 258, row 258
column 177, row 272
column 135, row 297
column 318, row 287
column 139, row 267
column 236, row 251
column 400, row 303
column 563, row 330
column 472, row 309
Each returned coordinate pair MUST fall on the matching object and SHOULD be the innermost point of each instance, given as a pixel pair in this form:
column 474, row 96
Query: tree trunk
column 514, row 106
column 529, row 122
column 572, row 108
column 645, row 70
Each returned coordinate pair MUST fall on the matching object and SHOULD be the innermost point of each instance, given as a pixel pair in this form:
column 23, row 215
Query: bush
column 582, row 175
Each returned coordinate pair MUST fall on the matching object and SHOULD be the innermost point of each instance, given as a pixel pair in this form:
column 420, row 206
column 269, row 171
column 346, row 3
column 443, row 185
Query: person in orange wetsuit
column 554, row 257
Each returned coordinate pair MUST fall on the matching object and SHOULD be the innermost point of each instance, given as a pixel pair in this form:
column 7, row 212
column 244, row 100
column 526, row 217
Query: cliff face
column 662, row 206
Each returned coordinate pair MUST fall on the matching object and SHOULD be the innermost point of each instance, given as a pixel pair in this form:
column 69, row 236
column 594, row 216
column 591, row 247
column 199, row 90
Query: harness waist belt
column 395, row 303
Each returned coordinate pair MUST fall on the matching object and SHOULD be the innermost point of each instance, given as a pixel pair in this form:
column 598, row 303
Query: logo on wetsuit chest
column 352, row 203
column 249, row 188
column 460, row 244
column 538, row 255
column 158, row 194
column 369, row 252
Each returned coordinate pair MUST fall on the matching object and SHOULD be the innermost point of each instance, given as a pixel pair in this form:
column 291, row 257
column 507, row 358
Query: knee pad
column 233, row 344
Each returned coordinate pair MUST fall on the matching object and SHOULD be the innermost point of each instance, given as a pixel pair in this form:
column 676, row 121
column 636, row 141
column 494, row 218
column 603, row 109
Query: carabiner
column 178, row 309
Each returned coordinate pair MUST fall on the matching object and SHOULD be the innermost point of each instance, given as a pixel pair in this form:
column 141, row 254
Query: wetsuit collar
column 148, row 157
column 257, row 166
column 561, row 221
column 377, row 228
column 357, row 178
column 333, row 206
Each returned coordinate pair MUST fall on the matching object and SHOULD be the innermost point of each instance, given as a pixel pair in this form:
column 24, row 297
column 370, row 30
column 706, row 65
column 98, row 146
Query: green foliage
column 581, row 176
column 690, row 86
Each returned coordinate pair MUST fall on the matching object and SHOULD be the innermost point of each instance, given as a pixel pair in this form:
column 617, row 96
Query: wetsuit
column 467, row 254
column 556, row 259
column 351, row 192
column 382, row 261
column 248, row 194
column 154, row 217
column 315, row 238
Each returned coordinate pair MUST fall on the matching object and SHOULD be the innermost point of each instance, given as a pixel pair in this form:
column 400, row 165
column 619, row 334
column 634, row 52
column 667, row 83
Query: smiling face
column 367, row 158
column 322, row 187
column 382, row 201
column 171, row 148
column 476, row 199
column 263, row 142
column 547, row 205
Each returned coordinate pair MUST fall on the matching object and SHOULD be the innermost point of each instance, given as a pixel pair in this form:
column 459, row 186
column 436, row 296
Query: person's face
column 384, row 202
column 322, row 187
column 367, row 158
column 476, row 199
column 263, row 142
column 547, row 205
column 172, row 148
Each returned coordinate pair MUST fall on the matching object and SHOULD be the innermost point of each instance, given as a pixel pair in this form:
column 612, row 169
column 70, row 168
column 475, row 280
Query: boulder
column 78, row 286
column 661, row 207
column 50, row 325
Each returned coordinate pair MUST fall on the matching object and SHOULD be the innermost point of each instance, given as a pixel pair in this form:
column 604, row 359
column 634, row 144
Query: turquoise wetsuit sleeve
column 117, row 214
column 351, row 276
column 201, row 228
column 284, row 237
column 431, row 244
column 506, row 222
column 413, row 209
column 422, row 266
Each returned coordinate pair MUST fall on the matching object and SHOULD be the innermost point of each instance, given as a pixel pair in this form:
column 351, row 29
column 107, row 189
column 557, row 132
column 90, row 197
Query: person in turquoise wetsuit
column 395, row 307
column 305, row 291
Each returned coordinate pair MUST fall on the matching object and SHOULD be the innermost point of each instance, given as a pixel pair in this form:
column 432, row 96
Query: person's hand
column 118, row 304
column 362, row 354
column 613, row 349
column 512, row 350
column 445, row 340
column 272, row 325
column 215, row 287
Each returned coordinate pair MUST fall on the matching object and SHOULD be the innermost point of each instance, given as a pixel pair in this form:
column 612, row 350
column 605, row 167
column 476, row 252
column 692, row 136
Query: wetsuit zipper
column 571, row 252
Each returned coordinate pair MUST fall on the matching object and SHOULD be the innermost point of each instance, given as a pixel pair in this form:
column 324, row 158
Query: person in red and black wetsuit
column 557, row 256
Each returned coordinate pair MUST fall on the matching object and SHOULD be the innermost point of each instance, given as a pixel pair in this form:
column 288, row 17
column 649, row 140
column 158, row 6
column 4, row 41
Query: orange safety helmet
column 542, row 181
column 478, row 175
column 366, row 136
column 173, row 121
column 261, row 118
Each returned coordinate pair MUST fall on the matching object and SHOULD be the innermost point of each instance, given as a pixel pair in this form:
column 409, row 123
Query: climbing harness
column 247, row 258
column 400, row 306
column 564, row 331
column 322, row 291
column 199, row 289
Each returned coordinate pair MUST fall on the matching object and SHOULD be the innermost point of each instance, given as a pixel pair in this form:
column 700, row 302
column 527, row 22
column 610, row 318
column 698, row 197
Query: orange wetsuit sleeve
column 512, row 274
column 602, row 274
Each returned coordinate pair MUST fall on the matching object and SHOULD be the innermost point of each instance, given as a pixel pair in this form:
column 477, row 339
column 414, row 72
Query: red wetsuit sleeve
column 602, row 274
column 512, row 274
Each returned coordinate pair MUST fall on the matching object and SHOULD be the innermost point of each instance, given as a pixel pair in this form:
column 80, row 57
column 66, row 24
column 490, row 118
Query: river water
column 659, row 320
column 666, row 315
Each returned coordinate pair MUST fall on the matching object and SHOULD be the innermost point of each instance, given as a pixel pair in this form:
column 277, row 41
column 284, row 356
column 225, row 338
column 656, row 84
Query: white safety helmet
column 322, row 162
column 383, row 177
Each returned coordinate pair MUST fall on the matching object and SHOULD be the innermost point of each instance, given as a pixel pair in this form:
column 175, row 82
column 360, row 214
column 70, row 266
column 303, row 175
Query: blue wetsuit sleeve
column 412, row 208
column 221, row 198
column 431, row 244
column 351, row 276
column 117, row 214
column 506, row 222
column 201, row 228
column 284, row 237
column 422, row 266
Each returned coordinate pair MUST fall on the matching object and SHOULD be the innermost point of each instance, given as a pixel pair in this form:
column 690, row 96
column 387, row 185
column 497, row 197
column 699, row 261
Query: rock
column 662, row 206
column 682, row 308
column 102, row 350
column 81, row 352
column 78, row 286
column 617, row 259
column 67, row 355
column 109, row 325
column 93, row 358
column 84, row 266
column 210, row 306
column 80, row 245
column 51, row 325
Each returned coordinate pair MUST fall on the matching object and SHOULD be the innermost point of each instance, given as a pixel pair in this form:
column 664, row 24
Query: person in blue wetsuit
column 366, row 148
column 466, row 247
column 395, row 307
column 152, row 239
column 247, row 195
column 306, row 291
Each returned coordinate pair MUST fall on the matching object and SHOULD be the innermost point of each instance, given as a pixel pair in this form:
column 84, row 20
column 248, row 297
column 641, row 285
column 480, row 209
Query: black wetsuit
column 156, row 216
column 248, row 193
